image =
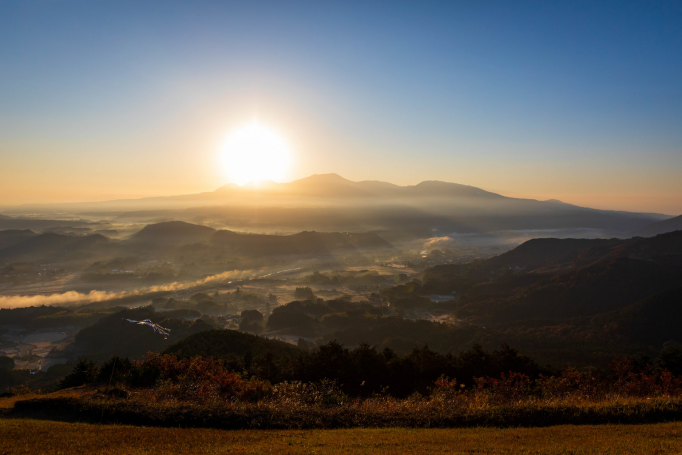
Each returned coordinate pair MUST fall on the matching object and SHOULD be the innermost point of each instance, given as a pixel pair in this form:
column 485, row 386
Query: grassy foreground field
column 23, row 436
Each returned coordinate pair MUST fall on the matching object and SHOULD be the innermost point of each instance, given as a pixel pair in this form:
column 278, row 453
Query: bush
column 200, row 379
column 145, row 375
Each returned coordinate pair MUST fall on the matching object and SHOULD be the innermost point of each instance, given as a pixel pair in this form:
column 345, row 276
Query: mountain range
column 331, row 203
column 181, row 233
column 26, row 245
column 661, row 227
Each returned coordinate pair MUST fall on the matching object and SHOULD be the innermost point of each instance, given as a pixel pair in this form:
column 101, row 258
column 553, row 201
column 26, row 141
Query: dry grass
column 19, row 436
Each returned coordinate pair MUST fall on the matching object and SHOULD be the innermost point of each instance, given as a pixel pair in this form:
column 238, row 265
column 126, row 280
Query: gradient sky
column 578, row 101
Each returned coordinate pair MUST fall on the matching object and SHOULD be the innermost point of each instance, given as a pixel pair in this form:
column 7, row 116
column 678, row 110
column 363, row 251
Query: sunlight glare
column 254, row 153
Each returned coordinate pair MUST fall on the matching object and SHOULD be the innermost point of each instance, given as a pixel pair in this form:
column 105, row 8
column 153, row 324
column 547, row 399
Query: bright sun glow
column 253, row 153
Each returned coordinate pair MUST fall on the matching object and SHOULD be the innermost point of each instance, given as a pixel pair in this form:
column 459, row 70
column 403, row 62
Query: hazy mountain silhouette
column 301, row 243
column 661, row 227
column 54, row 245
column 331, row 203
column 180, row 233
column 163, row 237
column 335, row 186
column 14, row 236
column 33, row 223
column 173, row 232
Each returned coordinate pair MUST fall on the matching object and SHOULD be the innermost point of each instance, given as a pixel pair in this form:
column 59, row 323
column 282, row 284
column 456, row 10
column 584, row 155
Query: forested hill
column 225, row 344
column 546, row 255
column 301, row 243
column 307, row 242
column 567, row 299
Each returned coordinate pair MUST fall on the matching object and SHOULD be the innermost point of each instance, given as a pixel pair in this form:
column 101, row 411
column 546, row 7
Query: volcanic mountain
column 332, row 203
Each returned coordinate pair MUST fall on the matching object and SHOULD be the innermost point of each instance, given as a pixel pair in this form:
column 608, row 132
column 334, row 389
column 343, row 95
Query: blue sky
column 580, row 101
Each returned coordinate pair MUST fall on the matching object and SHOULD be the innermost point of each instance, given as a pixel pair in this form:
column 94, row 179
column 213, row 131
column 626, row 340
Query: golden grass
column 20, row 436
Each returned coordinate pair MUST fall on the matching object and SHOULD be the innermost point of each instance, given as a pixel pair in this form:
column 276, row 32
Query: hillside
column 39, row 224
column 600, row 287
column 653, row 320
column 177, row 237
column 179, row 233
column 54, row 246
column 661, row 227
column 301, row 243
column 173, row 232
column 14, row 236
column 112, row 335
column 543, row 255
column 552, row 278
column 571, row 301
column 537, row 253
column 224, row 344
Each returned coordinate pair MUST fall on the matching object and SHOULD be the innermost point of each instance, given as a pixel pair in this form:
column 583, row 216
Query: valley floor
column 25, row 436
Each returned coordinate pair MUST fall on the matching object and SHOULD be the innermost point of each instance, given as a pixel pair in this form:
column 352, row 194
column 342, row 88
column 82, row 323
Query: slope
column 301, row 243
column 223, row 344
column 661, row 227
column 173, row 232
column 50, row 245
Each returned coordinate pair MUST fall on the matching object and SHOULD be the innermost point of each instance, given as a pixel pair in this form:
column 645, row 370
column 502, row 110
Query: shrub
column 198, row 379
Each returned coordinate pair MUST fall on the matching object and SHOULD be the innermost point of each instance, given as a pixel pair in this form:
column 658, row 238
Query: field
column 33, row 437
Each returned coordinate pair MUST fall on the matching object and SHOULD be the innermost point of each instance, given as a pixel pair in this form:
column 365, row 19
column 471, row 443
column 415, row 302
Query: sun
column 253, row 153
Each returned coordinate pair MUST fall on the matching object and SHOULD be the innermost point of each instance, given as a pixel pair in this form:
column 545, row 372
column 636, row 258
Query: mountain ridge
column 661, row 227
column 427, row 207
column 332, row 179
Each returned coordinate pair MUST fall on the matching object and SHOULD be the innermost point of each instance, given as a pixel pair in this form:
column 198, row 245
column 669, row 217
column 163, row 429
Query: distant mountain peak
column 332, row 177
column 661, row 227
column 228, row 187
column 171, row 231
column 259, row 184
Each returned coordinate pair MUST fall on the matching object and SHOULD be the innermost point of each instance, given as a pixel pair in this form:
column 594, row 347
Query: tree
column 304, row 293
column 84, row 372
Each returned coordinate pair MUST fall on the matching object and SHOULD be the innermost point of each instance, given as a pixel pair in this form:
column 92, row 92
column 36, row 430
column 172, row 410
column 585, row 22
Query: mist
column 75, row 297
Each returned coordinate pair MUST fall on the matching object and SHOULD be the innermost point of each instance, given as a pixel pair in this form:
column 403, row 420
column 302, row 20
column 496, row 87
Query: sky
column 577, row 101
